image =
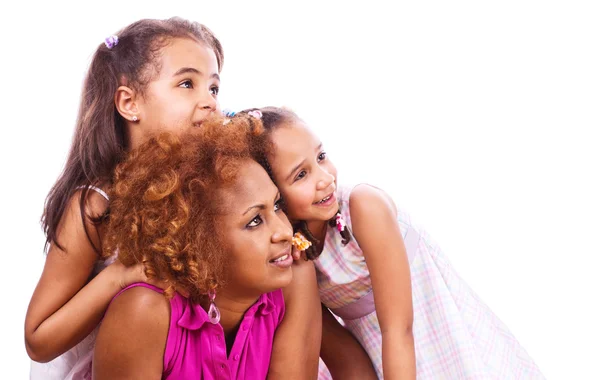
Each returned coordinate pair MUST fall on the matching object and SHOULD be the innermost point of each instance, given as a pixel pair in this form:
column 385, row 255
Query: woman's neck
column 232, row 310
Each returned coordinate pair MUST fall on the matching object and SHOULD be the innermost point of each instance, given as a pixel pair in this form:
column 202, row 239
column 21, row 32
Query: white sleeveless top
column 75, row 364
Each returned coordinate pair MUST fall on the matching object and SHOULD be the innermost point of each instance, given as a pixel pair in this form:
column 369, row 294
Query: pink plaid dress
column 456, row 335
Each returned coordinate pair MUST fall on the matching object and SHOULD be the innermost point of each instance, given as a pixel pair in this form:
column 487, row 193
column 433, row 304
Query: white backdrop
column 480, row 118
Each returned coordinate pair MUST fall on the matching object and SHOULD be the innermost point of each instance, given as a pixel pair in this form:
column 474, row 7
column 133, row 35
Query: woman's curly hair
column 165, row 203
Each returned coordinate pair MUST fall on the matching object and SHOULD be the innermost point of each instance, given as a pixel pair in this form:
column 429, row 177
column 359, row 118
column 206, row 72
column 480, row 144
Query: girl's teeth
column 325, row 199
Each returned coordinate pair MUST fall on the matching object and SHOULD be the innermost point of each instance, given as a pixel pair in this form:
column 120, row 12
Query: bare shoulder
column 134, row 304
column 370, row 201
column 95, row 202
column 93, row 206
column 74, row 229
column 132, row 337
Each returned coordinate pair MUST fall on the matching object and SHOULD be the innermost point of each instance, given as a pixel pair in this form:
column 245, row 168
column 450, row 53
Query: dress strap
column 96, row 189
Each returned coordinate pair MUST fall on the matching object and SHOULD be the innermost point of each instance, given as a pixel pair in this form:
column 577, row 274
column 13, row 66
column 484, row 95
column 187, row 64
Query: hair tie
column 111, row 41
column 228, row 113
column 341, row 224
column 256, row 114
column 300, row 242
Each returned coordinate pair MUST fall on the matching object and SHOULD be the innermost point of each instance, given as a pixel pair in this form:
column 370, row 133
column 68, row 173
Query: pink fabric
column 196, row 348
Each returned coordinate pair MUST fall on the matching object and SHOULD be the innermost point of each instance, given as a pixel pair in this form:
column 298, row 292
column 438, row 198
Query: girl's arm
column 298, row 338
column 133, row 336
column 377, row 232
column 60, row 312
column 344, row 356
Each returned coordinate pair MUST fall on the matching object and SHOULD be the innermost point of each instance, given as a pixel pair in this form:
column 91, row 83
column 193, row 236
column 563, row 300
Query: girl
column 154, row 75
column 383, row 277
column 205, row 219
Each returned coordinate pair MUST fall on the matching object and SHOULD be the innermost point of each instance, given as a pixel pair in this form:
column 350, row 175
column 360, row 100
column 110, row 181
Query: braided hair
column 271, row 119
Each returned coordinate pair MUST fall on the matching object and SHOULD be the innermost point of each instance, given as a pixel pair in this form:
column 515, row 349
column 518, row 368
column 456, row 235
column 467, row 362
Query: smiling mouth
column 282, row 258
column 324, row 199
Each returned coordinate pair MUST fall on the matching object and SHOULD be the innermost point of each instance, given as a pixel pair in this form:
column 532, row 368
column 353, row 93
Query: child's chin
column 329, row 214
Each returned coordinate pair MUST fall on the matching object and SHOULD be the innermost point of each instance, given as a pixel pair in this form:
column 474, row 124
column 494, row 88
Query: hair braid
column 310, row 252
column 345, row 233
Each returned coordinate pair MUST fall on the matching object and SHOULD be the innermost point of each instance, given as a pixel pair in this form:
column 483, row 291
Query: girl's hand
column 296, row 254
column 125, row 276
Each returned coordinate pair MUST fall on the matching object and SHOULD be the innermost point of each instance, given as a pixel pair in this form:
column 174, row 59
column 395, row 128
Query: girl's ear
column 127, row 103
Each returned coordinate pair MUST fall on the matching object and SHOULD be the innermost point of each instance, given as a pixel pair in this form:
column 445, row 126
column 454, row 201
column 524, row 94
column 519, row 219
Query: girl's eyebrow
column 191, row 70
column 318, row 148
column 295, row 168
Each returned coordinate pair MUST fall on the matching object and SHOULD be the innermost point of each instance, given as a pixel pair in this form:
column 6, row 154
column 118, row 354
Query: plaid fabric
column 456, row 335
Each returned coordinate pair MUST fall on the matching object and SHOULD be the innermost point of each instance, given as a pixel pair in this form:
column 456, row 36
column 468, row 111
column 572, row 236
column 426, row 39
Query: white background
column 481, row 119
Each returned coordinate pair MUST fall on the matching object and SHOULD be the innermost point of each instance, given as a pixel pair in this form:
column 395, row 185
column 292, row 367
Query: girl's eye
column 255, row 222
column 278, row 204
column 300, row 175
column 214, row 90
column 186, row 84
column 322, row 156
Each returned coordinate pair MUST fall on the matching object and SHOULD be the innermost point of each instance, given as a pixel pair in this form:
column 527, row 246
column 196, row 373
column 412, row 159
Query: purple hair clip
column 111, row 41
column 256, row 114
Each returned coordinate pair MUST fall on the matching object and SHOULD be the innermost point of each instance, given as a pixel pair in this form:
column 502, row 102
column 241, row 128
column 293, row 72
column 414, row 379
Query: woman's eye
column 214, row 90
column 255, row 222
column 186, row 84
column 300, row 175
column 322, row 156
column 278, row 205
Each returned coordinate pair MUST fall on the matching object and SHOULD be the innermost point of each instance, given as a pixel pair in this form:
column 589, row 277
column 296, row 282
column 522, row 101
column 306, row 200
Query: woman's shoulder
column 134, row 302
column 133, row 334
column 275, row 302
column 276, row 297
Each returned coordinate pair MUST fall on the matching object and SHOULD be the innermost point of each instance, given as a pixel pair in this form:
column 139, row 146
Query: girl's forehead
column 294, row 133
column 187, row 53
column 293, row 143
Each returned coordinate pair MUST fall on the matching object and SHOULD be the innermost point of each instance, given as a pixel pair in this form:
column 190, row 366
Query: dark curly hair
column 273, row 118
column 165, row 203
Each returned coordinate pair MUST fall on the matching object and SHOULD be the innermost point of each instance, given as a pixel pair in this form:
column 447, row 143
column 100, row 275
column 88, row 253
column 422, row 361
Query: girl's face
column 303, row 172
column 183, row 93
column 257, row 233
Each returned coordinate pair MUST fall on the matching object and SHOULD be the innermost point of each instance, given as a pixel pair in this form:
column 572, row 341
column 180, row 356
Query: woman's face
column 257, row 234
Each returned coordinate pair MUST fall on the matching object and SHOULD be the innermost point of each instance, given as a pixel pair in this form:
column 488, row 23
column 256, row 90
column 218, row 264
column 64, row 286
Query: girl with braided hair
column 380, row 274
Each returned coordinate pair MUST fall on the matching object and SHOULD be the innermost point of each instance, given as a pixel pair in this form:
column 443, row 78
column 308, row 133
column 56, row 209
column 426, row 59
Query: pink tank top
column 196, row 348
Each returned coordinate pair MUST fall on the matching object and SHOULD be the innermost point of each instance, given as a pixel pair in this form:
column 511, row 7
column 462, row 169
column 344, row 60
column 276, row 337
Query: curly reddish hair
column 165, row 203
